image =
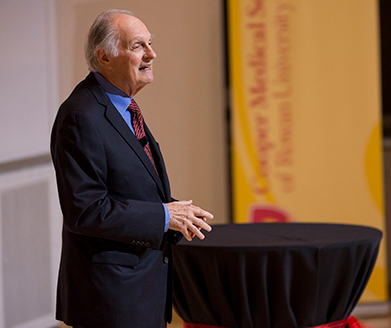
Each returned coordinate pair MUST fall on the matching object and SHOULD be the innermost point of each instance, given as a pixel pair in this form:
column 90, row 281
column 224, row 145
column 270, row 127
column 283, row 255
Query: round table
column 273, row 275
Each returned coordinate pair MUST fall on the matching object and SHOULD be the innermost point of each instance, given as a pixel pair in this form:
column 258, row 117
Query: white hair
column 102, row 35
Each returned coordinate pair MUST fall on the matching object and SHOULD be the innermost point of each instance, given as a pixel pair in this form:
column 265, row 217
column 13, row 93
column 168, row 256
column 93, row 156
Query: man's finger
column 185, row 202
column 197, row 233
column 200, row 223
column 199, row 212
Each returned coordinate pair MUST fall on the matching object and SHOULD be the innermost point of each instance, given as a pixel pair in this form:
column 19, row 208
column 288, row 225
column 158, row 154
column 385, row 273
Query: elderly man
column 119, row 217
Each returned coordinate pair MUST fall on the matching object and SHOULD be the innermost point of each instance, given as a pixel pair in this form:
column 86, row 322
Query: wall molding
column 24, row 163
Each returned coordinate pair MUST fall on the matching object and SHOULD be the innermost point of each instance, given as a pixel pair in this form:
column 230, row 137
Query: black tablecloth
column 273, row 275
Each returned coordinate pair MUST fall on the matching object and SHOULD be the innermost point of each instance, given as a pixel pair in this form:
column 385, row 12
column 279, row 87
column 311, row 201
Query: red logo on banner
column 262, row 213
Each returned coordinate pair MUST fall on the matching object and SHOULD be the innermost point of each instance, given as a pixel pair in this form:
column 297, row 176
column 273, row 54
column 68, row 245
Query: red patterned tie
column 137, row 123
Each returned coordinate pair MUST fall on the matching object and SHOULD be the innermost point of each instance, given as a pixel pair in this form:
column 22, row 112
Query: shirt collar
column 120, row 99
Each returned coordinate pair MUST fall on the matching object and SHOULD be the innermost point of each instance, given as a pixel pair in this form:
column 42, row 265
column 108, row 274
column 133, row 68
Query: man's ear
column 103, row 58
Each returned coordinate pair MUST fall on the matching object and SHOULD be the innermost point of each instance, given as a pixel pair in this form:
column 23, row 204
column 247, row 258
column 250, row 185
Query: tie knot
column 133, row 107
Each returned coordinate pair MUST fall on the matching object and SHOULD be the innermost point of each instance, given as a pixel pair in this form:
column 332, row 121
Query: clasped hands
column 188, row 219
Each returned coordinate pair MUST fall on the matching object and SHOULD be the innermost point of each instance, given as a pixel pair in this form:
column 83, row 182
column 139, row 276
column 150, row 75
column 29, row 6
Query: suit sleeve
column 89, row 207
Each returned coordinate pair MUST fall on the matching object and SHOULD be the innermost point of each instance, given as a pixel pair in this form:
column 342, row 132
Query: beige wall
column 185, row 105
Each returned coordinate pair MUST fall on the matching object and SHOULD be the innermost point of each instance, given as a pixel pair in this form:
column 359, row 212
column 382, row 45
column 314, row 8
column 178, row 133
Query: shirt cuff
column 167, row 214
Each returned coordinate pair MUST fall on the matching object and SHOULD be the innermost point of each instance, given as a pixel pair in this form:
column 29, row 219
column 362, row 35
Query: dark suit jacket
column 115, row 259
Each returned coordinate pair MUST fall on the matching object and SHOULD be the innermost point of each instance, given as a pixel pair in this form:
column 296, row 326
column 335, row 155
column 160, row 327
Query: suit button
column 147, row 244
column 166, row 259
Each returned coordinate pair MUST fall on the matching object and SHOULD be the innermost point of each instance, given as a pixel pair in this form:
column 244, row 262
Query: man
column 119, row 217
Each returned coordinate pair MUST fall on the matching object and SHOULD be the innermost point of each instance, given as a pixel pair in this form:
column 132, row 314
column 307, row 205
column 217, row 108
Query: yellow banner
column 305, row 99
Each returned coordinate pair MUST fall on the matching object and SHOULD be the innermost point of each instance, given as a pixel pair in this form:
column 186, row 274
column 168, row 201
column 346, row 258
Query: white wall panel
column 30, row 243
column 27, row 87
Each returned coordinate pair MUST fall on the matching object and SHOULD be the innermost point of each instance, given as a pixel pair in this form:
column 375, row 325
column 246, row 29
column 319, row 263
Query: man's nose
column 150, row 54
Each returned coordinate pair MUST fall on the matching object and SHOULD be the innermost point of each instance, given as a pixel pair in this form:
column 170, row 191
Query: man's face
column 131, row 70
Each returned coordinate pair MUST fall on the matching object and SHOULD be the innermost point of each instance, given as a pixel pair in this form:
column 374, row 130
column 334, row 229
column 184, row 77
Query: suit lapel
column 159, row 162
column 122, row 128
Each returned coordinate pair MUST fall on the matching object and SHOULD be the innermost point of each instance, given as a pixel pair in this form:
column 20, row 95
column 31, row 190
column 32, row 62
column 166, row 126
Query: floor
column 371, row 322
column 376, row 322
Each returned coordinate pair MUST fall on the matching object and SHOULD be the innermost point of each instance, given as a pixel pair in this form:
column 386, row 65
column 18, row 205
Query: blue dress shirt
column 121, row 102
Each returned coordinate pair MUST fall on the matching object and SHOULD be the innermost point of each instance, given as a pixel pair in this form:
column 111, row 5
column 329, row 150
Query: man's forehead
column 132, row 27
column 142, row 37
